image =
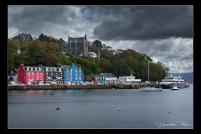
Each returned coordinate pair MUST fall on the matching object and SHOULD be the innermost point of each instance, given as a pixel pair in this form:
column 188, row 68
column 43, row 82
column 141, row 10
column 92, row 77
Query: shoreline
column 72, row 87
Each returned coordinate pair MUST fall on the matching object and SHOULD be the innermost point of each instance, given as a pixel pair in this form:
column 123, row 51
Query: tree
column 47, row 50
column 98, row 45
column 105, row 65
column 23, row 37
column 12, row 47
column 120, row 67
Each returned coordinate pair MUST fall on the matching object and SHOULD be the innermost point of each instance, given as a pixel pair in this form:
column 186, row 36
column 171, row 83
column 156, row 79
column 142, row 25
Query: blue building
column 101, row 79
column 72, row 73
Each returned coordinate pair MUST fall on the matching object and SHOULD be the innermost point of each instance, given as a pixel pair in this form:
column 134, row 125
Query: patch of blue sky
column 87, row 15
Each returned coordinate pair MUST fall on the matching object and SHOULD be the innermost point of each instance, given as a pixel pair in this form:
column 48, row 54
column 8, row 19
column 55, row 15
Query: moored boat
column 170, row 82
column 150, row 89
column 175, row 88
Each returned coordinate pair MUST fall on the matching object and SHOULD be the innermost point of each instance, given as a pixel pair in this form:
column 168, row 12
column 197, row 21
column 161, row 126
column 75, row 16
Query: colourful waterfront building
column 109, row 78
column 101, row 79
column 21, row 75
column 66, row 73
column 53, row 75
column 34, row 74
column 72, row 73
column 30, row 74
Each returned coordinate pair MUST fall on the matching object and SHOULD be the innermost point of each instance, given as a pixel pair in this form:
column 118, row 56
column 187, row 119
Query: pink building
column 30, row 74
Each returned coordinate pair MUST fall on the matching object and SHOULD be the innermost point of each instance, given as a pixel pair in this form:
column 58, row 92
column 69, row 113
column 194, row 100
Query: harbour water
column 109, row 108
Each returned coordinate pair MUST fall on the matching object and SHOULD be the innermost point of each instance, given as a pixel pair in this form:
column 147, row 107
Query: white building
column 128, row 80
column 92, row 54
column 111, row 80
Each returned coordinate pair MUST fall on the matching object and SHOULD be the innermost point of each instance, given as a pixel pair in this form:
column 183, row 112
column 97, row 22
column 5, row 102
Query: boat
column 171, row 81
column 175, row 88
column 150, row 89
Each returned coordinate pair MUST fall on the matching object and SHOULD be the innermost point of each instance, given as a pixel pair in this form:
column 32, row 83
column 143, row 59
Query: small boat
column 175, row 88
column 150, row 89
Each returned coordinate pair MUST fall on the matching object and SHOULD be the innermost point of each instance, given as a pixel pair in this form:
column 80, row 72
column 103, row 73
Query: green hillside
column 49, row 51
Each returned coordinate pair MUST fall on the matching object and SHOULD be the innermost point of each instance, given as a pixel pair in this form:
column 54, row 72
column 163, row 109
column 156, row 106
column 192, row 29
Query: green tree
column 105, row 65
column 120, row 67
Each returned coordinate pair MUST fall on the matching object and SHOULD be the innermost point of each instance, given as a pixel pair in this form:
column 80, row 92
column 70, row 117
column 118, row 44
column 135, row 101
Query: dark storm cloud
column 36, row 18
column 143, row 22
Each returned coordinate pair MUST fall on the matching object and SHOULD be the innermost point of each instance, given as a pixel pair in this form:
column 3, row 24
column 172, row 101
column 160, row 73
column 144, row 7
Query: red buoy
column 58, row 108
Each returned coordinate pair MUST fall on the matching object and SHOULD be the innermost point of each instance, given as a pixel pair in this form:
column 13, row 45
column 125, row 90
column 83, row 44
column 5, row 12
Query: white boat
column 169, row 82
column 175, row 88
column 151, row 89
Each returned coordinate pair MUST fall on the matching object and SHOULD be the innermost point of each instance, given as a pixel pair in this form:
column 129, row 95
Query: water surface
column 113, row 108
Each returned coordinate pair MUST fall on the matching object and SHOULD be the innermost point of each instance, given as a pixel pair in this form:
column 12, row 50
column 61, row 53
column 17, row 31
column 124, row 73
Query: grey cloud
column 37, row 19
column 177, row 51
column 143, row 22
column 152, row 30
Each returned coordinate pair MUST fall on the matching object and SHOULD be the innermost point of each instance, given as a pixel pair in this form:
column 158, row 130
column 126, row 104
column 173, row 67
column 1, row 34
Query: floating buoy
column 52, row 93
column 119, row 109
column 58, row 108
column 169, row 112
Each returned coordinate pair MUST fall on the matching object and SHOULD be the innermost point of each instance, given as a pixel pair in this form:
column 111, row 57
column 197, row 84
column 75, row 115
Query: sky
column 165, row 33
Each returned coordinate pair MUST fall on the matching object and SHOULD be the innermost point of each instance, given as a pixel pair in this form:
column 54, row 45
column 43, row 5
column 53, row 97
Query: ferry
column 171, row 81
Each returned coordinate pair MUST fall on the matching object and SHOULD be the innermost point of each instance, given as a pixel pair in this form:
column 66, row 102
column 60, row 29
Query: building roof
column 108, row 74
column 76, row 40
column 65, row 66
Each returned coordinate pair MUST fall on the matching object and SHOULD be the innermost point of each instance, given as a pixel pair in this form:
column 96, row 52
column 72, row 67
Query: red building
column 30, row 75
column 21, row 75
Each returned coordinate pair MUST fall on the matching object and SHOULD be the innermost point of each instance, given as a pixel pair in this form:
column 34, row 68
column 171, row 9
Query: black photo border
column 196, row 63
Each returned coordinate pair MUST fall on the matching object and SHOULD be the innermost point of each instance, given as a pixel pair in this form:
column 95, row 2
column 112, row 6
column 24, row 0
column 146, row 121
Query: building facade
column 30, row 74
column 53, row 75
column 34, row 74
column 128, row 80
column 101, row 79
column 109, row 78
column 77, row 46
column 72, row 74
column 21, row 75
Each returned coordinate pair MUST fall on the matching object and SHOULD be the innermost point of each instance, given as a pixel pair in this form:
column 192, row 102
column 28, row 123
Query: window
column 40, row 76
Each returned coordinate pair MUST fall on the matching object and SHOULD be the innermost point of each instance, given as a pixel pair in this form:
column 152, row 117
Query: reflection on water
column 114, row 108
